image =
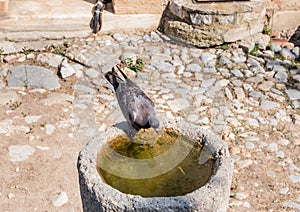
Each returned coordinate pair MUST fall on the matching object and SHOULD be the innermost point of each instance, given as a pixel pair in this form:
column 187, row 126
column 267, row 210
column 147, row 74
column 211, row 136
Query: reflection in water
column 149, row 165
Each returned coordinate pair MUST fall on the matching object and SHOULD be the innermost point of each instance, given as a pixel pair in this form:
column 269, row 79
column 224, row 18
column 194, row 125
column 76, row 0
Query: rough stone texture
column 32, row 77
column 138, row 7
column 60, row 199
column 20, row 153
column 7, row 96
column 3, row 7
column 286, row 14
column 209, row 24
column 98, row 196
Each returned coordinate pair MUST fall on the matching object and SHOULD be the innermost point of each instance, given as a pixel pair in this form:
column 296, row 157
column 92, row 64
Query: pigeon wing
column 140, row 110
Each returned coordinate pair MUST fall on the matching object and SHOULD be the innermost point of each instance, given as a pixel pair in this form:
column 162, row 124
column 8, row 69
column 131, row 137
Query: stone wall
column 207, row 24
column 3, row 7
column 139, row 6
column 283, row 14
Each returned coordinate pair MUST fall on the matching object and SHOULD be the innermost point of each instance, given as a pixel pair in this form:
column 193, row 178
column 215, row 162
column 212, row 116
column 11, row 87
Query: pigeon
column 96, row 21
column 137, row 108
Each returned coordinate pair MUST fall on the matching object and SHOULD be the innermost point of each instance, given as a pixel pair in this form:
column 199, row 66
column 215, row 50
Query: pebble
column 84, row 88
column 295, row 178
column 20, row 152
column 203, row 121
column 281, row 76
column 163, row 66
column 280, row 154
column 244, row 163
column 296, row 141
column 263, row 144
column 291, row 205
column 287, row 54
column 208, row 83
column 284, row 190
column 252, row 122
column 193, row 68
column 252, row 138
column 266, row 85
column 7, row 96
column 273, row 147
column 249, row 145
column 293, row 167
column 32, row 119
column 276, row 48
column 92, row 73
column 268, row 105
column 281, row 115
column 293, row 94
column 193, row 118
column 60, row 199
column 49, row 129
column 271, row 174
column 240, row 94
column 241, row 195
column 50, row 59
column 11, row 195
column 57, row 99
column 208, row 58
column 178, row 104
column 256, row 94
column 237, row 73
column 65, row 69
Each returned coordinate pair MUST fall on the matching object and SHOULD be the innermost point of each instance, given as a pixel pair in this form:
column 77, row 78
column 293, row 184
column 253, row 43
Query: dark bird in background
column 136, row 106
column 96, row 21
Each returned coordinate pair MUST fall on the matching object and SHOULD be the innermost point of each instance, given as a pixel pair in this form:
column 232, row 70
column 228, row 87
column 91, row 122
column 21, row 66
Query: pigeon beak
column 156, row 130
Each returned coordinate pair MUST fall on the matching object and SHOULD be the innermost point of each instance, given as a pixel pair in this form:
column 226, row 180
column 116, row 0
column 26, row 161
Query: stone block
column 138, row 6
column 283, row 20
column 96, row 195
column 3, row 7
column 207, row 24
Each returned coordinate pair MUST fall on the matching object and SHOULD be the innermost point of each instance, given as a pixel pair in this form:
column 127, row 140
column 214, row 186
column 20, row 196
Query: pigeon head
column 154, row 123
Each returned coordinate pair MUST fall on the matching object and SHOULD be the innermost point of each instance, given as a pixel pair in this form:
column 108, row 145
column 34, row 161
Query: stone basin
column 206, row 24
column 213, row 196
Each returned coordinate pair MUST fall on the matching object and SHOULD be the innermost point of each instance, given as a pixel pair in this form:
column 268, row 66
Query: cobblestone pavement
column 250, row 99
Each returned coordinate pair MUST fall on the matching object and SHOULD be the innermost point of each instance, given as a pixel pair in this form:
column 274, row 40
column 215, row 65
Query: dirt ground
column 32, row 184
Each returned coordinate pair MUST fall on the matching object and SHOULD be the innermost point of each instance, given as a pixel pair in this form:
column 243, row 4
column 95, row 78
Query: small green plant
column 13, row 105
column 137, row 66
column 255, row 49
column 110, row 34
column 224, row 46
column 59, row 51
column 26, row 50
column 267, row 30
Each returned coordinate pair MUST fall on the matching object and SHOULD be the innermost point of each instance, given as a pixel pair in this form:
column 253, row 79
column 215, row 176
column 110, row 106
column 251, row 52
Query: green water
column 155, row 166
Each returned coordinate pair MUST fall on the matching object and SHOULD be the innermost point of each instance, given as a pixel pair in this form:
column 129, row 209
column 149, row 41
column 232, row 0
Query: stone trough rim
column 190, row 200
column 244, row 7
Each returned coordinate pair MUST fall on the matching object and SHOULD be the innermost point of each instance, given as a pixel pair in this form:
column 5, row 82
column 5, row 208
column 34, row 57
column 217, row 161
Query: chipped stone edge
column 98, row 196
